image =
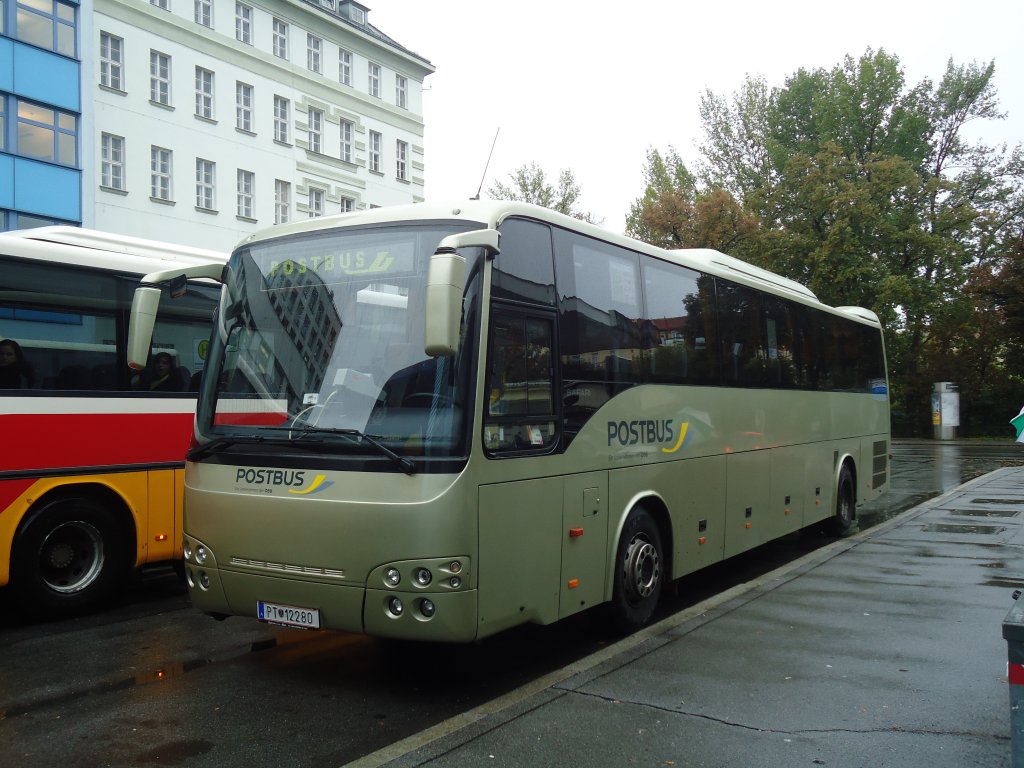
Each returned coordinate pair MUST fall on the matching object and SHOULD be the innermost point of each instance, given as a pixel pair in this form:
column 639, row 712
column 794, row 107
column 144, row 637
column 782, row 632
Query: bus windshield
column 319, row 342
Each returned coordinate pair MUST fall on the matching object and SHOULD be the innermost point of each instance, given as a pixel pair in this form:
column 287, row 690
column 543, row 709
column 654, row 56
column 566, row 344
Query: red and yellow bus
column 92, row 452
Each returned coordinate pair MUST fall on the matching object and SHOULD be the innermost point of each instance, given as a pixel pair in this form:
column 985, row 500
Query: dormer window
column 353, row 12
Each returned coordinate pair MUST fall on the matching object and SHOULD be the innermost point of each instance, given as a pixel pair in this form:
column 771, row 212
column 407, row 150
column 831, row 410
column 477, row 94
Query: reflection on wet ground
column 922, row 469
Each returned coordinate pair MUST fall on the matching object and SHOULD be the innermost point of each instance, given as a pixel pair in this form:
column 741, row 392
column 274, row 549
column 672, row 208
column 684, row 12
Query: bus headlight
column 423, row 577
column 427, row 608
column 204, row 580
column 186, row 549
column 455, row 582
column 392, row 577
column 395, row 606
column 200, row 554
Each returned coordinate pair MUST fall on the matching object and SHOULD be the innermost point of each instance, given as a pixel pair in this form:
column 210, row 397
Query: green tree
column 529, row 184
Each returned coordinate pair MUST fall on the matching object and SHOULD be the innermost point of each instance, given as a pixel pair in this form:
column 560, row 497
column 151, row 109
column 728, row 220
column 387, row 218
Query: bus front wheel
column 66, row 558
column 842, row 523
column 639, row 573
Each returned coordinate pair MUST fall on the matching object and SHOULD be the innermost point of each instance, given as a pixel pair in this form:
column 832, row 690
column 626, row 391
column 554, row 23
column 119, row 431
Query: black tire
column 843, row 521
column 639, row 572
column 67, row 559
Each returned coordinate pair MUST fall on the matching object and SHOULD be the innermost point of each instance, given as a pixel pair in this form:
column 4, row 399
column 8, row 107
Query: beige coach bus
column 435, row 423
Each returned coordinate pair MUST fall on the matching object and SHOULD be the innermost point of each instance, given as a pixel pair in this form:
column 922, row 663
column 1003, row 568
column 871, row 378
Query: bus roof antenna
column 486, row 165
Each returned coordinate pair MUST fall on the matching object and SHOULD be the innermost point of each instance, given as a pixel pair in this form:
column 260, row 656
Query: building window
column 401, row 91
column 243, row 107
column 374, row 159
column 160, row 173
column 245, row 186
column 47, row 134
column 163, row 5
column 204, row 93
column 347, row 205
column 49, row 24
column 314, row 47
column 3, row 122
column 112, row 161
column 280, row 39
column 281, row 119
column 402, row 160
column 206, row 177
column 374, row 80
column 243, row 23
column 344, row 67
column 204, row 12
column 111, row 61
column 316, row 203
column 282, row 201
column 347, row 129
column 316, row 128
column 160, row 78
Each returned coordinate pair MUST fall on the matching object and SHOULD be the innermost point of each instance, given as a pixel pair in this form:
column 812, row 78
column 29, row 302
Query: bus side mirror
column 140, row 326
column 446, row 281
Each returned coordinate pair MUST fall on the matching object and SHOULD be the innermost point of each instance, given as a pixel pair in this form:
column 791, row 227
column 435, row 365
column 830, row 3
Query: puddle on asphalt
column 990, row 530
column 1008, row 583
column 985, row 512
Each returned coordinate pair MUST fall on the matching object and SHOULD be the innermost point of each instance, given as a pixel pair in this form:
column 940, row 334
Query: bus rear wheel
column 66, row 559
column 639, row 573
column 843, row 521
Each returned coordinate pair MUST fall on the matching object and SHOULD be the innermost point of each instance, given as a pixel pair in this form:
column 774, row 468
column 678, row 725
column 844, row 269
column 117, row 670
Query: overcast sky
column 591, row 85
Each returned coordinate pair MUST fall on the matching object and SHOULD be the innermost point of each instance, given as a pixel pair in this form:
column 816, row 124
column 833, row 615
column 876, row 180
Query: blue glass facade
column 40, row 114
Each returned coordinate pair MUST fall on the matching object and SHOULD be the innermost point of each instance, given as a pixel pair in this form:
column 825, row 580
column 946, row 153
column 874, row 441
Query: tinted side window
column 746, row 353
column 182, row 331
column 65, row 321
column 851, row 355
column 679, row 306
column 600, row 323
column 523, row 271
column 70, row 326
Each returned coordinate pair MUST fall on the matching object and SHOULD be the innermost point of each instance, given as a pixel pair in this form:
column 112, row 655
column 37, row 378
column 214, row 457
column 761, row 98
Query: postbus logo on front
column 293, row 481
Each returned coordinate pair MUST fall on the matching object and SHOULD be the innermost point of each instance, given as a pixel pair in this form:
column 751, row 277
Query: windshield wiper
column 403, row 462
column 218, row 443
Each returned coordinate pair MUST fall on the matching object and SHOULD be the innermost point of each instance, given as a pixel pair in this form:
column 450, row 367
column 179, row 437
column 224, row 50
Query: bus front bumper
column 446, row 617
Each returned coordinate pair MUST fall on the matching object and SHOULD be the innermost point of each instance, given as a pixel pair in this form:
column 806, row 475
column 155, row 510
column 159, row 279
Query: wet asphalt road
column 150, row 682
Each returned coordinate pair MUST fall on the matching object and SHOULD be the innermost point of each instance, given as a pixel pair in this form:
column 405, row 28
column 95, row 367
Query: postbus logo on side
column 664, row 433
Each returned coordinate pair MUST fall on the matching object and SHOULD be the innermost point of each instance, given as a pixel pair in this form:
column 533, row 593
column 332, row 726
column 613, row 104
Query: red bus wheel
column 66, row 558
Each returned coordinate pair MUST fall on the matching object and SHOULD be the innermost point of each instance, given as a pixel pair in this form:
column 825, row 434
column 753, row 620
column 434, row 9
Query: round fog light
column 395, row 606
column 186, row 550
column 200, row 554
column 455, row 567
column 427, row 608
column 392, row 577
column 455, row 582
column 204, row 580
column 423, row 577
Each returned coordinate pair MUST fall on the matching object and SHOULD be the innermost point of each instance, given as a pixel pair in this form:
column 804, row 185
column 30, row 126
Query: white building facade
column 212, row 119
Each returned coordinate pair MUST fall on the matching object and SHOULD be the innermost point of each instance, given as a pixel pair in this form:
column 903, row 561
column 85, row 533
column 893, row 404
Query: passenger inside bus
column 164, row 376
column 15, row 370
